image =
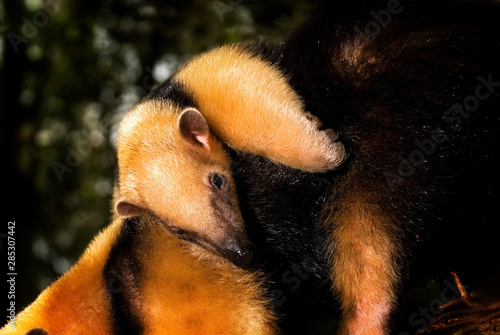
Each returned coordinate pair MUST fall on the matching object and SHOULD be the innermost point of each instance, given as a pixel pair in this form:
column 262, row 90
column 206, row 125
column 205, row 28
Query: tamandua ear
column 194, row 128
column 127, row 209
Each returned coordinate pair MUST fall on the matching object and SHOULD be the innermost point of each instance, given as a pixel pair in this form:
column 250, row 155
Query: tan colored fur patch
column 363, row 268
column 77, row 303
column 185, row 290
column 161, row 173
column 251, row 106
column 191, row 291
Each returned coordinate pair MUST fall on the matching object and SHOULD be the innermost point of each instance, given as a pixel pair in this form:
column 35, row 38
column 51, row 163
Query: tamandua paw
column 333, row 153
column 331, row 134
column 316, row 121
column 323, row 151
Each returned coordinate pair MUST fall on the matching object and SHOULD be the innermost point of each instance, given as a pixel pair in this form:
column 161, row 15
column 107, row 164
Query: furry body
column 401, row 98
column 417, row 105
column 423, row 154
column 150, row 178
column 136, row 277
column 169, row 148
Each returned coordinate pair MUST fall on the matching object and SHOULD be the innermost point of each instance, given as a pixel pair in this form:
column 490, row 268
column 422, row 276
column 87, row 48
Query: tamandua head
column 170, row 164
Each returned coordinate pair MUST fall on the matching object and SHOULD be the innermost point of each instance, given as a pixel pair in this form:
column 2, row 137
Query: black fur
column 395, row 96
column 281, row 209
column 173, row 91
column 120, row 275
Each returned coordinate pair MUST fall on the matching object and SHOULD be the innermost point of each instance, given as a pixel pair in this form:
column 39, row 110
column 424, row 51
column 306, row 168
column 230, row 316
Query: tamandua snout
column 182, row 174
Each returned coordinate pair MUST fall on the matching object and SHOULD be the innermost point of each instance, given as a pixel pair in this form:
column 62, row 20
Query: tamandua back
column 137, row 277
column 171, row 157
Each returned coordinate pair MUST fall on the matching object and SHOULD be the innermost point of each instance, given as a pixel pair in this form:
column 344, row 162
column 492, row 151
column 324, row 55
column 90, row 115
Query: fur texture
column 168, row 151
column 137, row 277
column 77, row 303
column 415, row 100
column 412, row 89
column 179, row 187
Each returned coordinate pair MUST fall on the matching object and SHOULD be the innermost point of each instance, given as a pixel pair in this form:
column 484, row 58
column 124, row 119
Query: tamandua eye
column 218, row 181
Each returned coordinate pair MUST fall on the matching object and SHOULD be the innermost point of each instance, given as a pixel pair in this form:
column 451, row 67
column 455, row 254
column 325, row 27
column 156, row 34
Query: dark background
column 68, row 71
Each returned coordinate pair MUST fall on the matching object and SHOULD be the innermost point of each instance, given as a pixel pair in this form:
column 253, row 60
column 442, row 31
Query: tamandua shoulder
column 188, row 290
column 76, row 303
column 166, row 286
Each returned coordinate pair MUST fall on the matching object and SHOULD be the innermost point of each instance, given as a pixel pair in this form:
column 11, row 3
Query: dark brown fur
column 419, row 171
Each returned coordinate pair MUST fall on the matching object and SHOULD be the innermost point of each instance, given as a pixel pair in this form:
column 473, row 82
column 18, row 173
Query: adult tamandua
column 402, row 98
column 137, row 277
column 171, row 159
column 415, row 100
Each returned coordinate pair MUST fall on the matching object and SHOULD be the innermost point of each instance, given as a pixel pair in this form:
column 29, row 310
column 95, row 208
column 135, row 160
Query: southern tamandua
column 413, row 89
column 171, row 159
column 137, row 277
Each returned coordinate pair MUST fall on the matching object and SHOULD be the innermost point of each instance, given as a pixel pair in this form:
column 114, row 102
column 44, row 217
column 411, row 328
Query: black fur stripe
column 120, row 276
column 173, row 91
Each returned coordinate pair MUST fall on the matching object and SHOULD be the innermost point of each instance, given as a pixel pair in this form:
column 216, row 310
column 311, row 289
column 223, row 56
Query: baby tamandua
column 137, row 277
column 171, row 163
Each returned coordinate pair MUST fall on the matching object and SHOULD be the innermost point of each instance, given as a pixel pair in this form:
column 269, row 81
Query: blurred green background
column 69, row 70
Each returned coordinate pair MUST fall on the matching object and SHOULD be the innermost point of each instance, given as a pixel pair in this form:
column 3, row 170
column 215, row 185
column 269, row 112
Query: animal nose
column 239, row 256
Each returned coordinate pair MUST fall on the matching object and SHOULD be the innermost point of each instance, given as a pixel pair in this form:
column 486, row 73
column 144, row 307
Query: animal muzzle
column 238, row 253
column 233, row 245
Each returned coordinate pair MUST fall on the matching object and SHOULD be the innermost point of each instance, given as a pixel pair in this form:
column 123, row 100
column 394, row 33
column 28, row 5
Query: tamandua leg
column 250, row 105
column 363, row 257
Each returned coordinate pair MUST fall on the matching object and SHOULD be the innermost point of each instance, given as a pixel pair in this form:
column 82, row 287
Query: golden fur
column 166, row 157
column 251, row 106
column 191, row 291
column 160, row 172
column 185, row 290
column 363, row 269
column 77, row 302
